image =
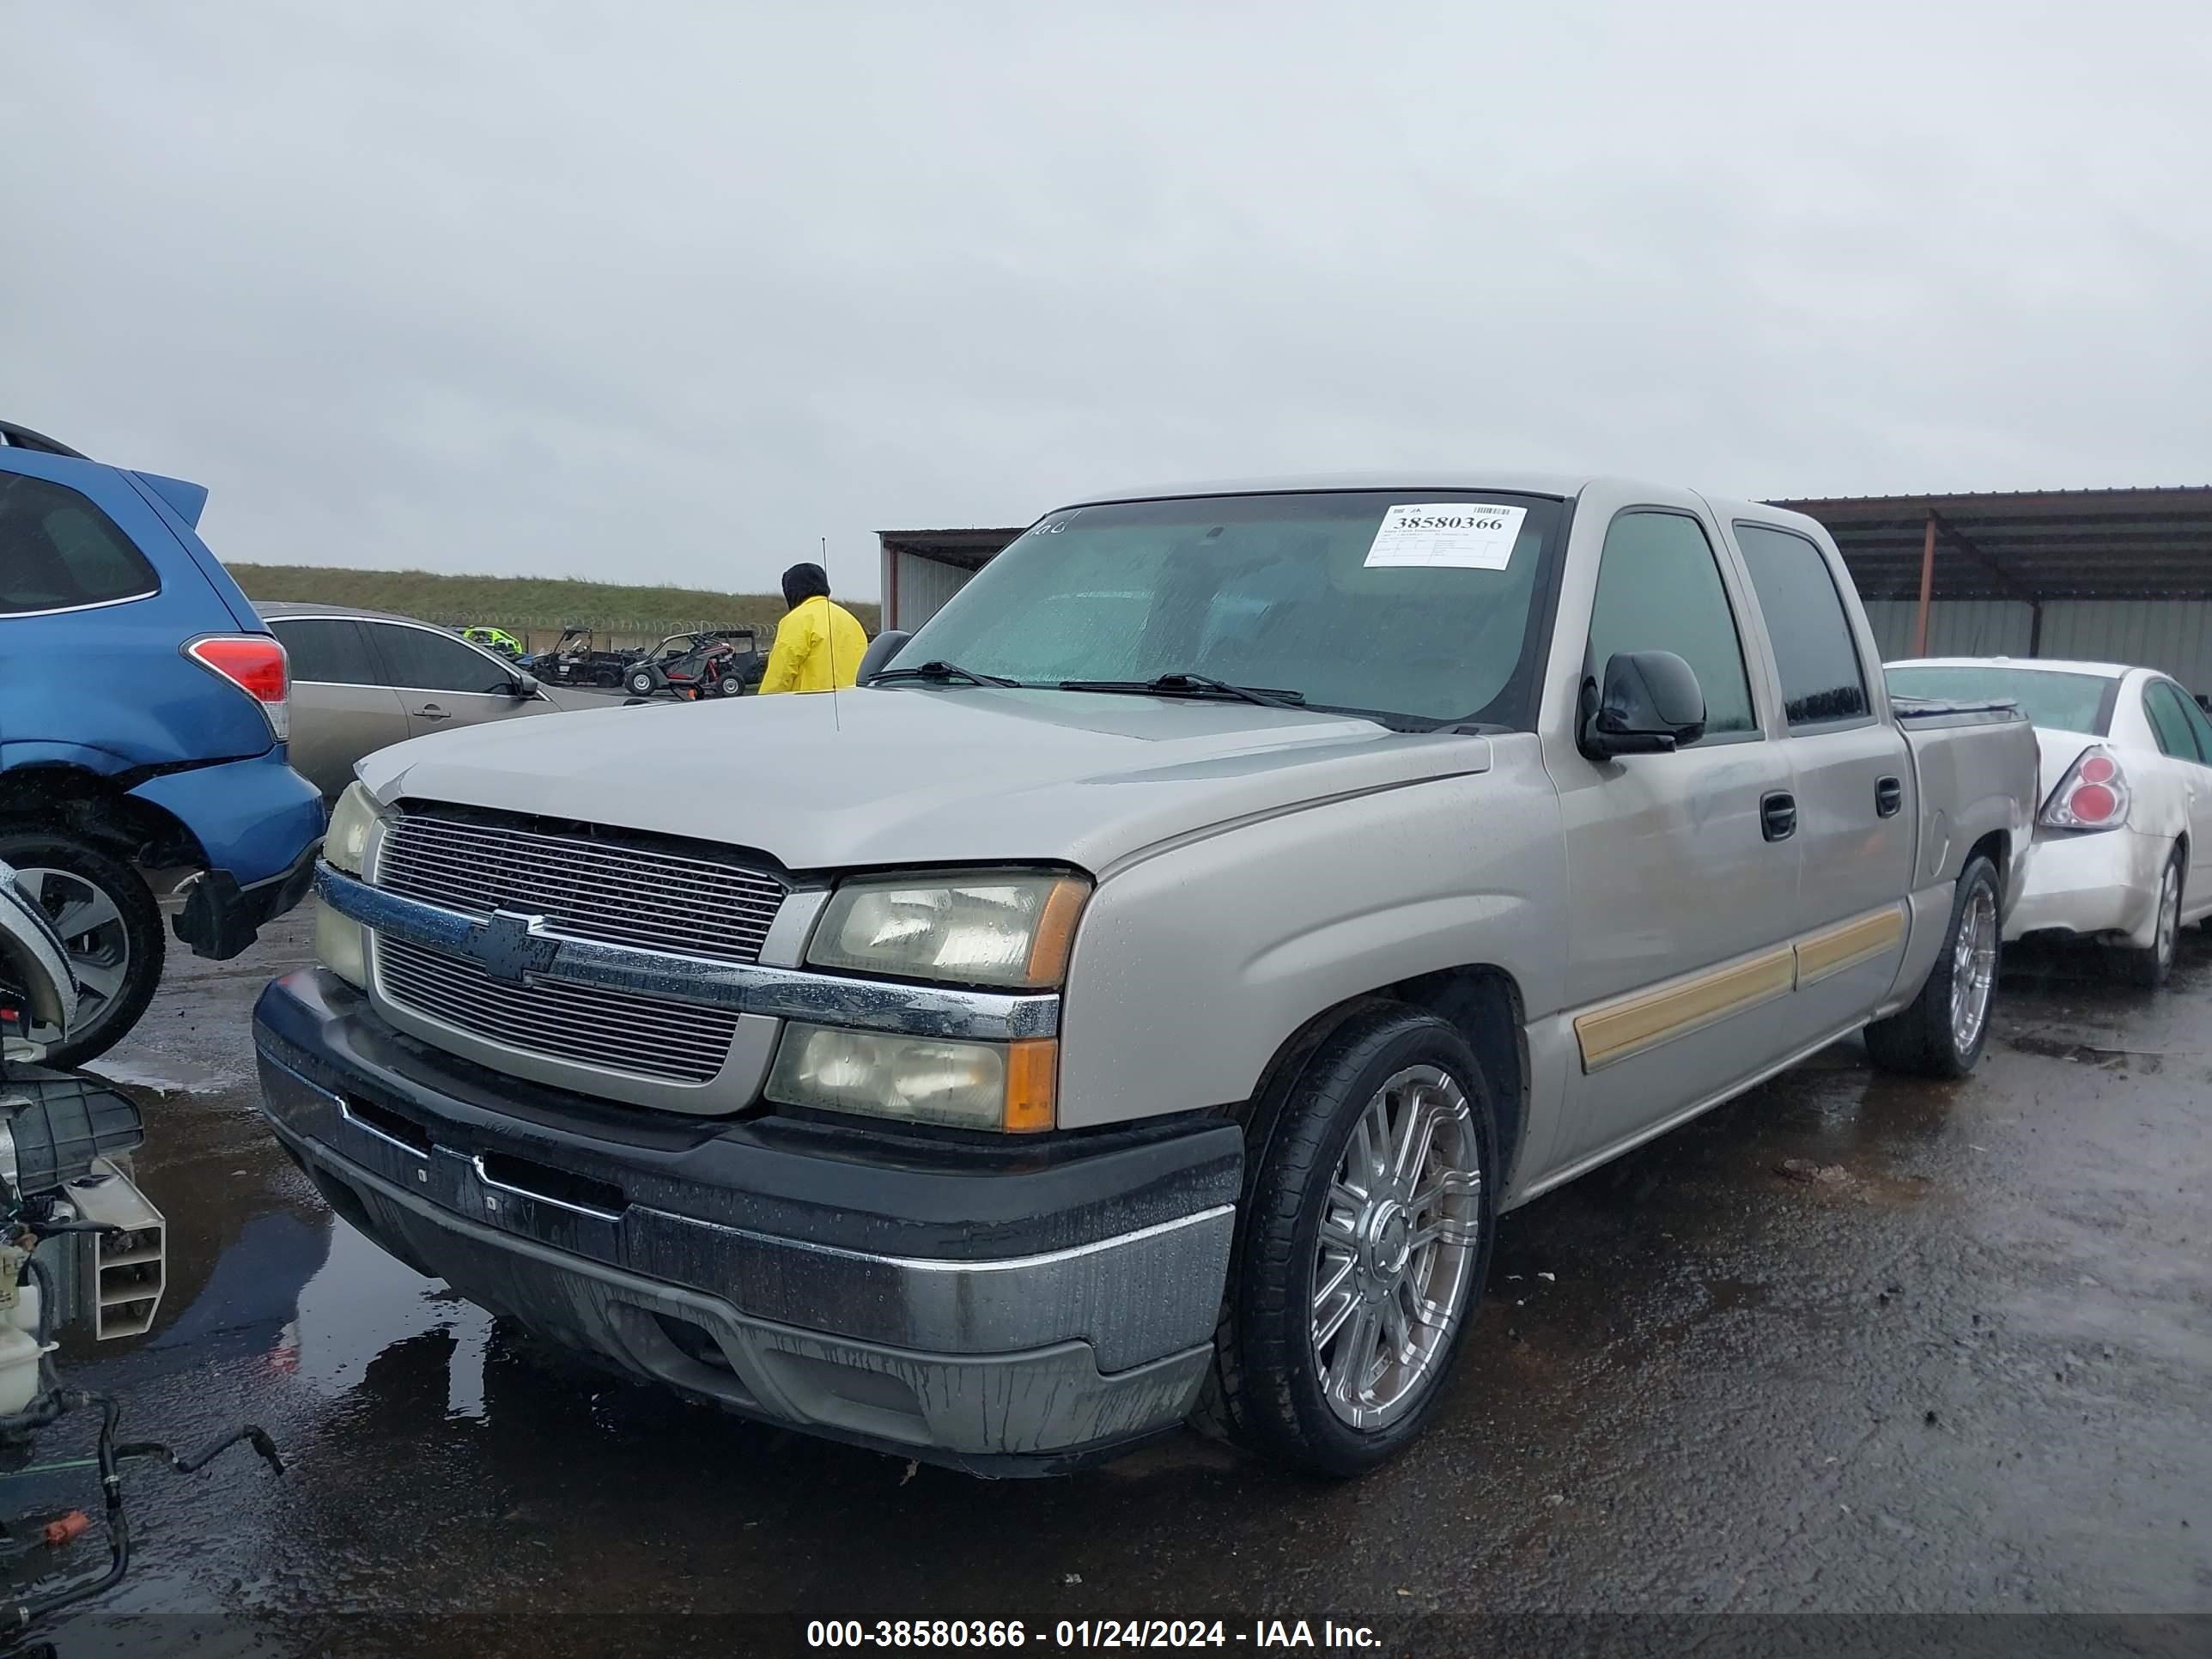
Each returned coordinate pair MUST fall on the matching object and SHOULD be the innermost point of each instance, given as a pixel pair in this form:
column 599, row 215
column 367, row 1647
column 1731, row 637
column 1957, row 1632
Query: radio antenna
column 830, row 638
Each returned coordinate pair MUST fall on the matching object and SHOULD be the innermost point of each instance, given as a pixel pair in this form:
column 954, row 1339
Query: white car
column 2127, row 769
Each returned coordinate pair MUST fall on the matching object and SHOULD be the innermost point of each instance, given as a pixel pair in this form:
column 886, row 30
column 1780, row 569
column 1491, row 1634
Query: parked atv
column 574, row 661
column 721, row 662
column 494, row 639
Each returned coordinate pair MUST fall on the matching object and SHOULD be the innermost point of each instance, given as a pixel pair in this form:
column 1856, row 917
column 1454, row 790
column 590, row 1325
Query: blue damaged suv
column 144, row 709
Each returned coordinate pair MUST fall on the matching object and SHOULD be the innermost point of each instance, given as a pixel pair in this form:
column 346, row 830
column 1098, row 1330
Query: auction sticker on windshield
column 1448, row 535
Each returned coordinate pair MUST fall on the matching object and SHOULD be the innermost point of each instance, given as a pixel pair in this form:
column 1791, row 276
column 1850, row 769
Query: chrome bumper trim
column 746, row 988
column 1134, row 1298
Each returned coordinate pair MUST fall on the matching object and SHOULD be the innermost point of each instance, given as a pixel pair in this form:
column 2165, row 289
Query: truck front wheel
column 1366, row 1240
column 1942, row 1031
column 110, row 926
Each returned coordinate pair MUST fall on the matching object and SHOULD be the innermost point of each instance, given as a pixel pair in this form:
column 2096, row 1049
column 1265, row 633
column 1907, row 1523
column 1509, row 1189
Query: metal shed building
column 2118, row 575
column 2110, row 575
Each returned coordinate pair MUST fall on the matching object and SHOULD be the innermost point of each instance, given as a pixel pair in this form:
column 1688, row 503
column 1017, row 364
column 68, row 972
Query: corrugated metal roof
column 2139, row 541
column 969, row 549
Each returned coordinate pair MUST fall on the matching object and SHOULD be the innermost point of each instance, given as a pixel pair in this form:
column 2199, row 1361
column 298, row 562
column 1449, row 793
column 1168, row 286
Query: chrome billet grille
column 583, row 1025
column 614, row 890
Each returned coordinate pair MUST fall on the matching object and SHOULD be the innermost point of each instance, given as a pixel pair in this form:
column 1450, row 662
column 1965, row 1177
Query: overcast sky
column 667, row 291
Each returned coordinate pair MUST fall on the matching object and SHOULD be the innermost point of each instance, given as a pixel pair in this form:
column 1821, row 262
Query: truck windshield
column 1418, row 606
column 2049, row 697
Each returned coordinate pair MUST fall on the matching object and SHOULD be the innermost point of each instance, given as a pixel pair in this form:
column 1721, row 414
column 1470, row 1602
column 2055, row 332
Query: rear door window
column 2162, row 701
column 418, row 659
column 1660, row 589
column 59, row 552
column 327, row 650
column 1823, row 682
column 2200, row 726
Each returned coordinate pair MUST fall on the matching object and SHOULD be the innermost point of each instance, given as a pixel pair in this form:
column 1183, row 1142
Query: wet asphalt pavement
column 1847, row 1345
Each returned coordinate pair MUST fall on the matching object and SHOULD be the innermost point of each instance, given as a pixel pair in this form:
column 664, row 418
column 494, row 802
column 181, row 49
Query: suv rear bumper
column 817, row 1277
column 259, row 826
column 220, row 918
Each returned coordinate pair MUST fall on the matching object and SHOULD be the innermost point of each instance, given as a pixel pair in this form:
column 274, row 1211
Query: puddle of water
column 2149, row 1061
column 169, row 1074
column 362, row 1305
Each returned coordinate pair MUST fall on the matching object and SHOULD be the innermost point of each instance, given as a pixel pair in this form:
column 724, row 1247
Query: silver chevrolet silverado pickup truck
column 1140, row 999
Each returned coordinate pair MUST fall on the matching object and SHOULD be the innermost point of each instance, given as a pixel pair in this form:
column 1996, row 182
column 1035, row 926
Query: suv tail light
column 2093, row 795
column 255, row 664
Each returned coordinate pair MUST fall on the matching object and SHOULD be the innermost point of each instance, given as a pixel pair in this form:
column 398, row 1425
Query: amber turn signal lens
column 1055, row 932
column 1032, row 1086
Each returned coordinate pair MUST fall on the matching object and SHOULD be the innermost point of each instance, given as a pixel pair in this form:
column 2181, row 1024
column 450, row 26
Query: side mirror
column 881, row 649
column 1651, row 704
column 526, row 685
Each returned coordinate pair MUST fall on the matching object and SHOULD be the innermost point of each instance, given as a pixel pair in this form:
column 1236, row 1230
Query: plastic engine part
column 127, row 1268
column 58, row 1123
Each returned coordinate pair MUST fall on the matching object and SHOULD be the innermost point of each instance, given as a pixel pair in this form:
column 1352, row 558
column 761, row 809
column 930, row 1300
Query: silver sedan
column 364, row 680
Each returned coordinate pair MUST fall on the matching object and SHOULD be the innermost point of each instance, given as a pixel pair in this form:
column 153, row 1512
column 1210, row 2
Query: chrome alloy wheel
column 2169, row 914
column 1974, row 969
column 1395, row 1256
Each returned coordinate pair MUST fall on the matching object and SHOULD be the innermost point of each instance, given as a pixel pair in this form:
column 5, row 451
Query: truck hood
column 921, row 774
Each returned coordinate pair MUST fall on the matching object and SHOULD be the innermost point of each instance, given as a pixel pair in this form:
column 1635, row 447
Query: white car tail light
column 2093, row 795
column 256, row 665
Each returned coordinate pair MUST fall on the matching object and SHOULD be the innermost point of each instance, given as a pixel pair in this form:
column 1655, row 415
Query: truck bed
column 1926, row 712
column 1979, row 771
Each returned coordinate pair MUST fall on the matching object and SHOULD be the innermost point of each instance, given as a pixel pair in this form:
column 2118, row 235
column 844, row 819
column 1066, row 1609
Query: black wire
column 250, row 1435
column 19, row 1614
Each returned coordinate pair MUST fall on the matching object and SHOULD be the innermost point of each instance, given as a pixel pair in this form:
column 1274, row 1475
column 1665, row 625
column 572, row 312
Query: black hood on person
column 803, row 582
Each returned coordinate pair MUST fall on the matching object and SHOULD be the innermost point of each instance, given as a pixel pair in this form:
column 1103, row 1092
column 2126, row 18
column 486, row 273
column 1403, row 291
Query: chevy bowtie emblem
column 512, row 947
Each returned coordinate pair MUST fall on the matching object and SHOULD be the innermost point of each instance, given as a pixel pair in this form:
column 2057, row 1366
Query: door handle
column 430, row 711
column 1778, row 815
column 1888, row 798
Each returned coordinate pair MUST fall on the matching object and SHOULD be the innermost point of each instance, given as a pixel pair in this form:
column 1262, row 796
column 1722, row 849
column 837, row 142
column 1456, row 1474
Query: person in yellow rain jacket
column 820, row 643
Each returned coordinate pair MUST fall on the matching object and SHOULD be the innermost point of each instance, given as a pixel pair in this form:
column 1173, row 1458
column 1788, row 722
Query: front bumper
column 2100, row 883
column 1014, row 1311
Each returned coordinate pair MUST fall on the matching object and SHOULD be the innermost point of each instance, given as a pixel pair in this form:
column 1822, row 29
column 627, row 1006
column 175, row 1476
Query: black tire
column 132, row 941
column 640, row 683
column 2150, row 969
column 1266, row 1389
column 1922, row 1039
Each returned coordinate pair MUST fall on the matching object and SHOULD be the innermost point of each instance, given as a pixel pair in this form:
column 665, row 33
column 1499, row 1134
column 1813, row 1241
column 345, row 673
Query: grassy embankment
column 532, row 608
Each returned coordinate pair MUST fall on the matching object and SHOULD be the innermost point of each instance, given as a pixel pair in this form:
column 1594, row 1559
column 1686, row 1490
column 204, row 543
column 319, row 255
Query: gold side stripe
column 1651, row 1017
column 1648, row 1018
column 1848, row 944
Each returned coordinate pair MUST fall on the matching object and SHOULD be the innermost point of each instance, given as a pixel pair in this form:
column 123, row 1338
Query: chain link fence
column 618, row 634
column 628, row 633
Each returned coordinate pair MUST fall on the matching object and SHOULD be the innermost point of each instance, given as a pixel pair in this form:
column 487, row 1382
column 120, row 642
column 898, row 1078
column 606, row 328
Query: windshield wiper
column 945, row 673
column 1193, row 685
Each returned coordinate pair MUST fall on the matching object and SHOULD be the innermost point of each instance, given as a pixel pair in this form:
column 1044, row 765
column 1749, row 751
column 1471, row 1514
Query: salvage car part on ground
column 66, row 1197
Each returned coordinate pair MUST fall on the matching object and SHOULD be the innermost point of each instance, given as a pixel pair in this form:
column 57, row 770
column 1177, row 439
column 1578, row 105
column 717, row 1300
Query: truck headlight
column 969, row 1086
column 341, row 943
column 1011, row 928
column 345, row 843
